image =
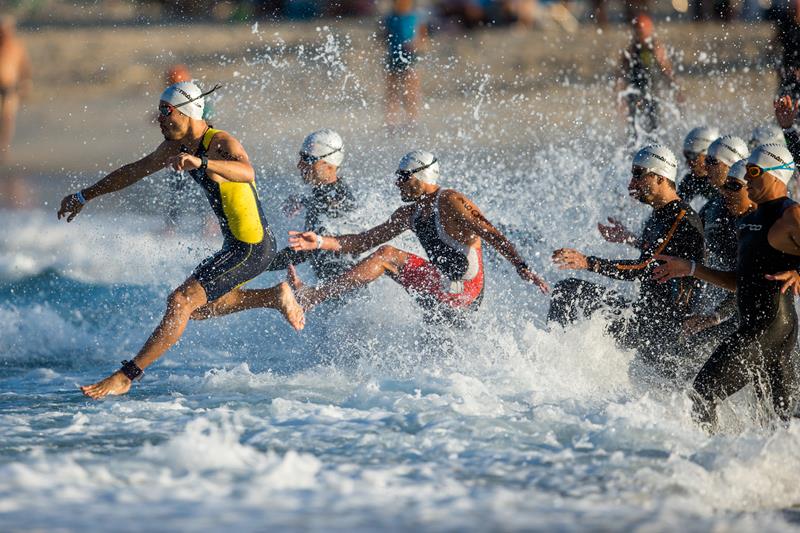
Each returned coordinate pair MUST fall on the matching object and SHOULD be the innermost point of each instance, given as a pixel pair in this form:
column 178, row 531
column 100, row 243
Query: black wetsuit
column 675, row 230
column 761, row 348
column 641, row 73
column 248, row 247
column 692, row 186
column 788, row 37
column 326, row 202
column 793, row 142
column 721, row 229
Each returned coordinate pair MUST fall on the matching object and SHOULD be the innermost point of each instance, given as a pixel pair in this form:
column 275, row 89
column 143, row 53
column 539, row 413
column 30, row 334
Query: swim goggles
column 733, row 185
column 167, row 109
column 755, row 171
column 640, row 172
column 405, row 175
column 309, row 159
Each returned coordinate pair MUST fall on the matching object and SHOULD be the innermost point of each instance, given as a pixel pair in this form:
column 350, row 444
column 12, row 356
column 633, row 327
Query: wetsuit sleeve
column 638, row 268
column 792, row 137
column 287, row 257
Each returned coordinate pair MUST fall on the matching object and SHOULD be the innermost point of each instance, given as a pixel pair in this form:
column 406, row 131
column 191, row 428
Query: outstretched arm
column 226, row 159
column 472, row 222
column 399, row 222
column 675, row 267
column 123, row 177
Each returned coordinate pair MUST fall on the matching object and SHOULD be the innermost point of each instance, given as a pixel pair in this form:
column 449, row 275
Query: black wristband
column 203, row 162
column 131, row 370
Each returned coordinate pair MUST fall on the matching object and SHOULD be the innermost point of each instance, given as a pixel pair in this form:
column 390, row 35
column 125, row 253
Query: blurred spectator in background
column 787, row 45
column 15, row 81
column 405, row 38
column 477, row 13
column 643, row 68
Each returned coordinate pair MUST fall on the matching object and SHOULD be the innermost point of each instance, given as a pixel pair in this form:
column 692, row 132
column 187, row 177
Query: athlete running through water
column 653, row 326
column 765, row 281
column 450, row 228
column 221, row 167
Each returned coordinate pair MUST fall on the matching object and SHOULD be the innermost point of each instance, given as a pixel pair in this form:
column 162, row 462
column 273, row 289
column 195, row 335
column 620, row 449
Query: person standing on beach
column 219, row 164
column 405, row 37
column 15, row 81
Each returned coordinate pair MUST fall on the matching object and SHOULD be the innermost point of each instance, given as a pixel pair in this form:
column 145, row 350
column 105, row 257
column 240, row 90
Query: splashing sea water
column 368, row 419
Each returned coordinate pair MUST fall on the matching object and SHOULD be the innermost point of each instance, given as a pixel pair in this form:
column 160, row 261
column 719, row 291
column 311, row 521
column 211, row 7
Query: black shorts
column 234, row 265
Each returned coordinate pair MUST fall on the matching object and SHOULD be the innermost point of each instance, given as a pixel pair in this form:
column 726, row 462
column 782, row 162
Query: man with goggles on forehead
column 765, row 281
column 321, row 155
column 652, row 326
column 450, row 228
column 219, row 164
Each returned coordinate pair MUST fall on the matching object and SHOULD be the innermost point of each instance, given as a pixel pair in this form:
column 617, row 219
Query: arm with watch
column 117, row 180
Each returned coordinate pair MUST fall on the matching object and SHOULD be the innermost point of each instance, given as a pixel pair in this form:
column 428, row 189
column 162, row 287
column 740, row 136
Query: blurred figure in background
column 643, row 67
column 15, row 81
column 405, row 38
column 786, row 42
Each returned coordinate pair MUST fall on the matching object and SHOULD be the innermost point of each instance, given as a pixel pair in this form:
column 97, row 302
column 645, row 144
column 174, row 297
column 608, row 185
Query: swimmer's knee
column 185, row 298
column 386, row 251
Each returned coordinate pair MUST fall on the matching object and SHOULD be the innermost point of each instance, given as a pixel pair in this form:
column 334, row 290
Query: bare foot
column 293, row 278
column 290, row 308
column 115, row 384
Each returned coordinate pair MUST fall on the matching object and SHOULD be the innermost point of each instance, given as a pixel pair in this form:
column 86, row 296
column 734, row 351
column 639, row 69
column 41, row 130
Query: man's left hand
column 184, row 162
column 570, row 259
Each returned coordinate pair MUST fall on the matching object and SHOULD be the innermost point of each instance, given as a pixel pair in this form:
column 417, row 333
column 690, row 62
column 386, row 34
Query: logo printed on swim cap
column 775, row 159
column 658, row 159
column 728, row 149
column 187, row 98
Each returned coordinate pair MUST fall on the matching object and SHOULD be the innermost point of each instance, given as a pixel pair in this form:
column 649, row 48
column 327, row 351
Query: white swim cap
column 773, row 159
column 766, row 134
column 728, row 149
column 699, row 139
column 657, row 159
column 738, row 170
column 325, row 145
column 186, row 97
column 422, row 164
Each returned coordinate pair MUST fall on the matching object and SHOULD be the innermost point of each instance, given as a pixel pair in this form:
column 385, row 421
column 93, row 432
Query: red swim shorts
column 420, row 277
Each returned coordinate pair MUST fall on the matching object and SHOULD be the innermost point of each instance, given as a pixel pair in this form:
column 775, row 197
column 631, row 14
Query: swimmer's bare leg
column 411, row 94
column 385, row 260
column 181, row 303
column 280, row 297
column 9, row 104
column 393, row 99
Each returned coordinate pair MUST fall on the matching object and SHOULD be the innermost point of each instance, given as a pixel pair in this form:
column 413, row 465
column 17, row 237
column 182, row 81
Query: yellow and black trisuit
column 249, row 245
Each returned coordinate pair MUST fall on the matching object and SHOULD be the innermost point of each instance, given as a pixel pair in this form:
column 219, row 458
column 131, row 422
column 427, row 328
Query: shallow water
column 367, row 419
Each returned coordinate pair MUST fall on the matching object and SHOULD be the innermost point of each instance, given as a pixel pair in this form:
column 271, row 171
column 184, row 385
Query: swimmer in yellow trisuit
column 219, row 164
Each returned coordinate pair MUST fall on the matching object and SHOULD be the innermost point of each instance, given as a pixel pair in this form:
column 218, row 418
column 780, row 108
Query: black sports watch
column 203, row 162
